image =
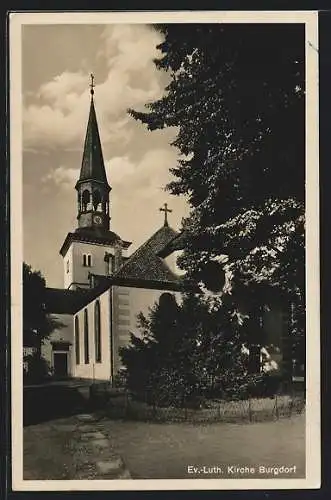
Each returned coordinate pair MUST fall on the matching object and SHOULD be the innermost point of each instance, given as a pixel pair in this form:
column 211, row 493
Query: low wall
column 48, row 401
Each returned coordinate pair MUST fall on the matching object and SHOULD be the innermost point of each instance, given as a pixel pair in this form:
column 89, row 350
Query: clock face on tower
column 97, row 219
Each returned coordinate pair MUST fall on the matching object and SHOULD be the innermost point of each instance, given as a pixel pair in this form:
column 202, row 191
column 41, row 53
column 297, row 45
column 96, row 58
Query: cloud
column 62, row 177
column 64, row 89
column 130, row 47
column 148, row 176
column 150, row 173
column 57, row 116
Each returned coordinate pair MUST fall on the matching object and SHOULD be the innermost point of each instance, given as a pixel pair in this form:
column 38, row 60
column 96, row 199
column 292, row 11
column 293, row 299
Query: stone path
column 72, row 448
column 88, row 447
column 105, row 464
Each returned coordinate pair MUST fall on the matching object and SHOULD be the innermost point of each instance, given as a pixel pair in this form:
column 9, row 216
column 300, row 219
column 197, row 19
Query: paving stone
column 93, row 435
column 86, row 471
column 100, row 443
column 66, row 427
column 125, row 475
column 109, row 466
column 87, row 428
column 86, row 418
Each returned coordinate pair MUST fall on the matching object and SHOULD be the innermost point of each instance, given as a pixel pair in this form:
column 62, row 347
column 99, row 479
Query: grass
column 164, row 451
column 59, row 450
column 48, row 452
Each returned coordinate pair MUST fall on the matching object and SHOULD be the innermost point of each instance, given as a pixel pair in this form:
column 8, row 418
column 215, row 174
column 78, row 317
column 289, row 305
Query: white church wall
column 94, row 370
column 68, row 268
column 141, row 301
column 79, row 273
column 62, row 334
column 127, row 303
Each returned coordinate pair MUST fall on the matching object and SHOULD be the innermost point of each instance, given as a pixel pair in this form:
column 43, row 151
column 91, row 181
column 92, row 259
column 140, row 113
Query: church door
column 60, row 364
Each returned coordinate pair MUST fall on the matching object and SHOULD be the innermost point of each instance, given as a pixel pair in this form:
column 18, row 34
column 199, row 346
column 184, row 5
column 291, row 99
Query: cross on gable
column 166, row 210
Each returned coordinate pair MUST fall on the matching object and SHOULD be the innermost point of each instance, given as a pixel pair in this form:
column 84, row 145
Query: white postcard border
column 313, row 438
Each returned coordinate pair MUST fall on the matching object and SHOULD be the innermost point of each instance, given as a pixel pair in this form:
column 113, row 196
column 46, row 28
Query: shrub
column 37, row 369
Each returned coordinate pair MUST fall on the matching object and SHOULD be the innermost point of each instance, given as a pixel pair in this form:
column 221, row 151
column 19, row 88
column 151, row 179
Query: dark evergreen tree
column 237, row 97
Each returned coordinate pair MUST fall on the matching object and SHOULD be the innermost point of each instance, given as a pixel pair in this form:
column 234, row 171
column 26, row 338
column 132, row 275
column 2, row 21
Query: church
column 106, row 286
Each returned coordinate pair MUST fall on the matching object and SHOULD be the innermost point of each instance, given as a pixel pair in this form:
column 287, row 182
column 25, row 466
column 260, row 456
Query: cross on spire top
column 92, row 85
column 166, row 210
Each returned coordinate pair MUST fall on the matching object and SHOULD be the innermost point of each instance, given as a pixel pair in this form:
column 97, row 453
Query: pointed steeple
column 92, row 186
column 92, row 167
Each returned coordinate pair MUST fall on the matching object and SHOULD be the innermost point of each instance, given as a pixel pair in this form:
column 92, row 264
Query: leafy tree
column 236, row 95
column 37, row 323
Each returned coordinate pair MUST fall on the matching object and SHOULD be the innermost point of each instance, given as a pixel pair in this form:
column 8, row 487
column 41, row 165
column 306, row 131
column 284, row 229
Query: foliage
column 237, row 97
column 37, row 323
column 186, row 353
column 37, row 369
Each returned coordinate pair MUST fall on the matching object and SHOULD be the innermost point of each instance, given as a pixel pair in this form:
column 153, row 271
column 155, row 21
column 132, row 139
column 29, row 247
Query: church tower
column 92, row 249
column 92, row 186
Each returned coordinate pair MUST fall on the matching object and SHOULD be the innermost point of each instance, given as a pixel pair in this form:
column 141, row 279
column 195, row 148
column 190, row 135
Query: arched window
column 77, row 343
column 97, row 332
column 86, row 339
column 96, row 199
column 87, row 260
column 85, row 198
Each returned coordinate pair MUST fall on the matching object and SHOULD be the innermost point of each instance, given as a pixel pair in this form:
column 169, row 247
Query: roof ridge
column 169, row 245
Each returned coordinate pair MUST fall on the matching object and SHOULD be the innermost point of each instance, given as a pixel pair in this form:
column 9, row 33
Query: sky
column 56, row 63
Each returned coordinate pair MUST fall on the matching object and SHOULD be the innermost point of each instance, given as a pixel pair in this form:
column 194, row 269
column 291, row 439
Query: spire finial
column 166, row 210
column 92, row 84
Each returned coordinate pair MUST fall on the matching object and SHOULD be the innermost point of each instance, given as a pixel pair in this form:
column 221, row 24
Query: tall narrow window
column 97, row 332
column 85, row 199
column 86, row 339
column 96, row 199
column 87, row 260
column 77, row 343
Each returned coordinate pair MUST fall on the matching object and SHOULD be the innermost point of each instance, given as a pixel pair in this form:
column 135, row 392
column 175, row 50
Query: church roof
column 93, row 235
column 92, row 163
column 60, row 301
column 145, row 262
column 144, row 269
column 177, row 243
